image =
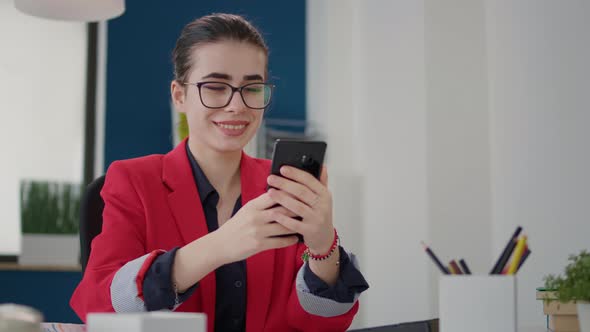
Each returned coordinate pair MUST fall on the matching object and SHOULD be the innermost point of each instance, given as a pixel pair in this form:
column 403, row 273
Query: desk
column 52, row 327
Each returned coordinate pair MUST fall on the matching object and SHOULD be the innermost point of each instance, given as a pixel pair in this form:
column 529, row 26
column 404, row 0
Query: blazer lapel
column 188, row 214
column 260, row 267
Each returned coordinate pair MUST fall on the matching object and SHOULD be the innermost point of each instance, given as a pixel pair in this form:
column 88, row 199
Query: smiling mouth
column 231, row 127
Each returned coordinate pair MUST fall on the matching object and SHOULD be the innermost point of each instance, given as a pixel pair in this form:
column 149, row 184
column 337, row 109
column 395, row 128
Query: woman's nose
column 236, row 103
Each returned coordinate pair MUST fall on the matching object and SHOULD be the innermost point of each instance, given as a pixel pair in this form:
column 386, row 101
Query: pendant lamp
column 72, row 10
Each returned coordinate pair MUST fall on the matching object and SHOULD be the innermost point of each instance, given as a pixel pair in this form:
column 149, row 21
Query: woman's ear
column 178, row 95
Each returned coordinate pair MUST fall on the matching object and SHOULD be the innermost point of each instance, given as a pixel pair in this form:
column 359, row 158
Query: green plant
column 182, row 126
column 49, row 207
column 575, row 285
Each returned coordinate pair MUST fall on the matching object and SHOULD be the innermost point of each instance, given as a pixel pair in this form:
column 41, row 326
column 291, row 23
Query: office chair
column 91, row 208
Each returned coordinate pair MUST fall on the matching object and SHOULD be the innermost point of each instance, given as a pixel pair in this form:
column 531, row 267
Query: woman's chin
column 226, row 146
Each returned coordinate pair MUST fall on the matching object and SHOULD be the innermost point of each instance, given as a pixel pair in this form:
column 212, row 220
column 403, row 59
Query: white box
column 156, row 321
column 477, row 303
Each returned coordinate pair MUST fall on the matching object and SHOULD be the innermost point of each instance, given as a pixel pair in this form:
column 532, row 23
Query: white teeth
column 232, row 127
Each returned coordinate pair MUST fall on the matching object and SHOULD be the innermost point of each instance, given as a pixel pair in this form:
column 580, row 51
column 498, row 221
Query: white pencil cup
column 477, row 303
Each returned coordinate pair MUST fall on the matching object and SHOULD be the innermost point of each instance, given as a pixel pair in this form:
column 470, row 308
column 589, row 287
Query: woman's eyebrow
column 254, row 77
column 222, row 76
column 219, row 76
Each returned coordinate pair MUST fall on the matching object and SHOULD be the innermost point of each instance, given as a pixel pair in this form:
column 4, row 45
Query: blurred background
column 450, row 122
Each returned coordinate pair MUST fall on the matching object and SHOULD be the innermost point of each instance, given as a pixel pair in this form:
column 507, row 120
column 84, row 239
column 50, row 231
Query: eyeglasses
column 220, row 94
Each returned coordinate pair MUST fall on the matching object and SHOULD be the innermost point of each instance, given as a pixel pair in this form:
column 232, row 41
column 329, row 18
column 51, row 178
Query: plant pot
column 584, row 316
column 50, row 249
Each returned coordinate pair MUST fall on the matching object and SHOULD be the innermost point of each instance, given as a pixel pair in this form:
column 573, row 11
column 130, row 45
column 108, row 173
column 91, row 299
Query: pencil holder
column 477, row 303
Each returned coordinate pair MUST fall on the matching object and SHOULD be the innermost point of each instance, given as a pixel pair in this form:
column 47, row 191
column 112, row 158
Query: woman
column 171, row 220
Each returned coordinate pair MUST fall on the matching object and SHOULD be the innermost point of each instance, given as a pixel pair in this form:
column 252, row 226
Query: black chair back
column 91, row 208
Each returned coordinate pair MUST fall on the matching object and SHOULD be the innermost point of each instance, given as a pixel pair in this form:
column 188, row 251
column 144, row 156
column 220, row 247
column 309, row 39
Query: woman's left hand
column 305, row 196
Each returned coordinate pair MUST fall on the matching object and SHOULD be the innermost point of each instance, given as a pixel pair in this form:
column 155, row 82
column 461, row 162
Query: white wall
column 539, row 66
column 370, row 97
column 332, row 70
column 42, row 82
column 452, row 123
column 458, row 135
column 393, row 157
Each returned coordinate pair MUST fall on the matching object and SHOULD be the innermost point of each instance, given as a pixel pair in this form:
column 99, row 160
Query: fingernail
column 284, row 170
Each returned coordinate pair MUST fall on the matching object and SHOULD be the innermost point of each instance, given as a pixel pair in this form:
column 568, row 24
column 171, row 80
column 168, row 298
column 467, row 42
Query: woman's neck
column 222, row 169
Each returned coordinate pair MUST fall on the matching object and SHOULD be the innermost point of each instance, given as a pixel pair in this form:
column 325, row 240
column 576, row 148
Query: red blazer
column 152, row 203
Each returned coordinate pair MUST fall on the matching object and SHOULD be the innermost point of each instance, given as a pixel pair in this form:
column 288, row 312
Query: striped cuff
column 317, row 305
column 124, row 295
column 127, row 284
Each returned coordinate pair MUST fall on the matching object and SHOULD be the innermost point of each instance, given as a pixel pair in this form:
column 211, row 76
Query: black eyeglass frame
column 233, row 92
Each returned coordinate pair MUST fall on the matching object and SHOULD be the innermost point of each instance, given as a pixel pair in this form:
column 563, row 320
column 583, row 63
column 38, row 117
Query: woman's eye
column 253, row 89
column 215, row 88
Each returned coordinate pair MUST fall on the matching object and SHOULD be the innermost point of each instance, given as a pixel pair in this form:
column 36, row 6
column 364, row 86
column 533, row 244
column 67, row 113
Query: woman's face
column 230, row 128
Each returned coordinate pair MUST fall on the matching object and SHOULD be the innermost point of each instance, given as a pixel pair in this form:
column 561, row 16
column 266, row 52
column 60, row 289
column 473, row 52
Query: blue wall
column 46, row 291
column 139, row 69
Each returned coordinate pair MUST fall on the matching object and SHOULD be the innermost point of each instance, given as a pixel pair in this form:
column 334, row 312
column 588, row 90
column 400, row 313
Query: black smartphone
column 305, row 155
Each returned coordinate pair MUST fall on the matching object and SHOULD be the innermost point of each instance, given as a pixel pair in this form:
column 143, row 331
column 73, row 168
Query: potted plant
column 574, row 286
column 49, row 218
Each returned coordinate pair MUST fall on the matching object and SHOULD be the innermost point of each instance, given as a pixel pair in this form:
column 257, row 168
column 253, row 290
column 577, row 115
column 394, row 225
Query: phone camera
column 306, row 160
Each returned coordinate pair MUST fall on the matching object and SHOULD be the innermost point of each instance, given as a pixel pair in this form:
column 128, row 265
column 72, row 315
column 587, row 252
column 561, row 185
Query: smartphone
column 305, row 155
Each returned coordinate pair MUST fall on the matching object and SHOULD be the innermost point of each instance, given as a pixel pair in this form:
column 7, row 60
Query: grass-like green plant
column 575, row 284
column 182, row 126
column 49, row 207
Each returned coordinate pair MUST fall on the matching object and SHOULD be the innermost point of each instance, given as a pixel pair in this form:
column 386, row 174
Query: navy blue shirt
column 230, row 304
column 230, row 279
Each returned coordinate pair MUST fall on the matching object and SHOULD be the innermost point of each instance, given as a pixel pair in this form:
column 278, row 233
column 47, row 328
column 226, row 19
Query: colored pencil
column 435, row 259
column 518, row 252
column 506, row 259
column 451, row 270
column 524, row 257
column 455, row 267
column 507, row 266
column 501, row 262
column 464, row 266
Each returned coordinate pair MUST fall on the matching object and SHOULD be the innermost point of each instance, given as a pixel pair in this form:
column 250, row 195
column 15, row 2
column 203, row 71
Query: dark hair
column 210, row 29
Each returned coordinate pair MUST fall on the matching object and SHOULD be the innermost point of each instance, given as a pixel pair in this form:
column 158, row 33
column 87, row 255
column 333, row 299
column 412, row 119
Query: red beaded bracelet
column 307, row 255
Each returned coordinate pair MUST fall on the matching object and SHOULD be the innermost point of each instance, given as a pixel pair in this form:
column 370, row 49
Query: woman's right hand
column 253, row 229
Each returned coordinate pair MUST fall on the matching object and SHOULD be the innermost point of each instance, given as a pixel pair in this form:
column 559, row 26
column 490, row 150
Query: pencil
column 524, row 257
column 435, row 259
column 451, row 269
column 455, row 267
column 464, row 266
column 518, row 252
column 501, row 262
column 507, row 266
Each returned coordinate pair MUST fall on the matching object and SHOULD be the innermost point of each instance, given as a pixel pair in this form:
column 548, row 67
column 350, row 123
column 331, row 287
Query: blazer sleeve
column 121, row 243
column 302, row 319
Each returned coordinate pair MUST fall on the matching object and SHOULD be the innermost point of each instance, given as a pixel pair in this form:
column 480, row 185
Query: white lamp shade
column 72, row 10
